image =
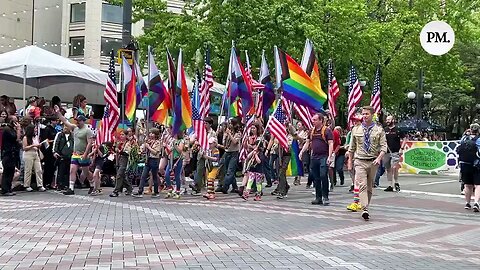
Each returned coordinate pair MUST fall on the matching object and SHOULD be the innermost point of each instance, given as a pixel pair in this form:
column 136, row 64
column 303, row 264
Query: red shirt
column 336, row 139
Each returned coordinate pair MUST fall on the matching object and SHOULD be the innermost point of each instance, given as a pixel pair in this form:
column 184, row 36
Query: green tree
column 365, row 33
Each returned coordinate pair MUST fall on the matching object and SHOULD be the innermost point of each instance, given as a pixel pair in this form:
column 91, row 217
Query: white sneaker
column 314, row 193
column 41, row 189
column 29, row 189
column 462, row 193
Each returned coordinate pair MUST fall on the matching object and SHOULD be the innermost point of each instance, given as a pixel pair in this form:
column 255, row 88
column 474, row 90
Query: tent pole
column 24, row 82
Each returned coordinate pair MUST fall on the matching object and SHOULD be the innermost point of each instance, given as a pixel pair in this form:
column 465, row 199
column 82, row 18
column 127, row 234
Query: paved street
column 407, row 231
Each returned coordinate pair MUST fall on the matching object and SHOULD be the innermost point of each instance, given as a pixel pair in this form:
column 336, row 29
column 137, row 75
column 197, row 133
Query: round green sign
column 425, row 158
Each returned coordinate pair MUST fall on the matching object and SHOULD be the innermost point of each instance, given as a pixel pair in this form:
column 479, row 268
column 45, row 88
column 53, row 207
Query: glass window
column 109, row 44
column 77, row 44
column 77, row 12
column 112, row 14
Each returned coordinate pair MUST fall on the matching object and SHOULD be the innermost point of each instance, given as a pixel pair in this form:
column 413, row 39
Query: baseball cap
column 474, row 127
column 81, row 118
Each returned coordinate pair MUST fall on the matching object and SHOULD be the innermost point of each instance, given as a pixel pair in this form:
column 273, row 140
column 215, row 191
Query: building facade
column 17, row 29
column 93, row 28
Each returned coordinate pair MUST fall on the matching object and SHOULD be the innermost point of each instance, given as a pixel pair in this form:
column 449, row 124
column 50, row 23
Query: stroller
column 109, row 172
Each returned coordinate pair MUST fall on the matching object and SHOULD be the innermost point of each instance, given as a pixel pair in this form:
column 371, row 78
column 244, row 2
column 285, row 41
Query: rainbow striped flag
column 298, row 86
column 295, row 166
column 159, row 100
column 132, row 92
column 182, row 118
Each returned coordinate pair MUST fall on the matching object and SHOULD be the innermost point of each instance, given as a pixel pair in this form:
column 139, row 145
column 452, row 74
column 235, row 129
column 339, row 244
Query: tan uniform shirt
column 378, row 142
column 157, row 146
column 230, row 145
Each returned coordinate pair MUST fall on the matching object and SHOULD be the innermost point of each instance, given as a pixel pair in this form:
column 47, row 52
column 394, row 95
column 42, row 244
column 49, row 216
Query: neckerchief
column 367, row 130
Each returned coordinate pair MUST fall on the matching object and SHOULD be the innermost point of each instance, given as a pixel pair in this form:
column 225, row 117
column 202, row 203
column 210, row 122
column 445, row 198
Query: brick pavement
column 52, row 231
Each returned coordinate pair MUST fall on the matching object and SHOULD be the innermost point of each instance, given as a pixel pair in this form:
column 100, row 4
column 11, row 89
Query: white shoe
column 41, row 189
column 29, row 189
column 314, row 193
column 462, row 193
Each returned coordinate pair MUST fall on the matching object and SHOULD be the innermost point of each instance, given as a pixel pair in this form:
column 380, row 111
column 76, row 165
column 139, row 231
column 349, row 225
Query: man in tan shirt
column 368, row 145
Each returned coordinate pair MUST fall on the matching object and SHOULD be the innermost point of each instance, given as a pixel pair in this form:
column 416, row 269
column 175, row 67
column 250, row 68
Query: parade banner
column 434, row 157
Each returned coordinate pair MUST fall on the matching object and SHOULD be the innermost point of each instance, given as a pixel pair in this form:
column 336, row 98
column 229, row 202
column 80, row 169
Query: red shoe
column 257, row 198
column 211, row 197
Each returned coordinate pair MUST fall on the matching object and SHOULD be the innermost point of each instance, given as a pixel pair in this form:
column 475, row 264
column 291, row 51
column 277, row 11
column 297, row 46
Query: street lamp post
column 420, row 98
column 420, row 101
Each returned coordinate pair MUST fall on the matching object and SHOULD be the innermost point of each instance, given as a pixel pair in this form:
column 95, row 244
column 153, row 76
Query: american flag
column 197, row 121
column 287, row 108
column 207, row 84
column 354, row 94
column 248, row 70
column 333, row 90
column 304, row 114
column 111, row 117
column 277, row 127
column 248, row 125
column 376, row 101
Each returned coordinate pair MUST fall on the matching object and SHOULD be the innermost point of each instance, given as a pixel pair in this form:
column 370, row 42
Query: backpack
column 467, row 150
column 322, row 131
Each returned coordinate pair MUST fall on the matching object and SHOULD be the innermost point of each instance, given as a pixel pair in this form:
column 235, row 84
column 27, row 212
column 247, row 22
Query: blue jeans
column 380, row 172
column 150, row 166
column 339, row 161
column 177, row 171
column 231, row 161
column 274, row 164
column 319, row 170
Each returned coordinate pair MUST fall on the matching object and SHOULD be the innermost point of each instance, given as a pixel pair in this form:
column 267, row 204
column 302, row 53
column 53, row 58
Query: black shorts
column 99, row 163
column 469, row 174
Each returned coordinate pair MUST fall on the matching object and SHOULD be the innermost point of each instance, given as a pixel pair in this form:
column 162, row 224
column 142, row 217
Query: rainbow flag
column 297, row 85
column 310, row 63
column 159, row 100
column 295, row 166
column 235, row 109
column 238, row 86
column 182, row 118
column 140, row 83
column 94, row 123
column 133, row 97
column 268, row 91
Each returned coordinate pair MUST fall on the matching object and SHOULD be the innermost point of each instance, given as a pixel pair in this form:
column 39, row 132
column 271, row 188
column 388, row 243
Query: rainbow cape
column 295, row 165
column 297, row 85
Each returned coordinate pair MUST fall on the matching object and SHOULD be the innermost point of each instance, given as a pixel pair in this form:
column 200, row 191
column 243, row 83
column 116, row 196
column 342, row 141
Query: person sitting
column 80, row 107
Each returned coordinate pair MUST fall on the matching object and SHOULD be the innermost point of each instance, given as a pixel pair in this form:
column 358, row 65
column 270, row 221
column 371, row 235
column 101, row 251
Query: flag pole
column 148, row 87
column 278, row 79
column 122, row 89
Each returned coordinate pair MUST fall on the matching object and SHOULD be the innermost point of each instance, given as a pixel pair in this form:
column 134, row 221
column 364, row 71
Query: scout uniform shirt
column 367, row 142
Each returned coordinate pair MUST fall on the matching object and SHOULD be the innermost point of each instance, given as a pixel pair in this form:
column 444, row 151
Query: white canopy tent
column 33, row 71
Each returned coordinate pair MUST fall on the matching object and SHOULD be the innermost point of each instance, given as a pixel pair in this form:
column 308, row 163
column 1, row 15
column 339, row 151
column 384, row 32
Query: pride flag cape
column 295, row 166
column 297, row 85
column 182, row 118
